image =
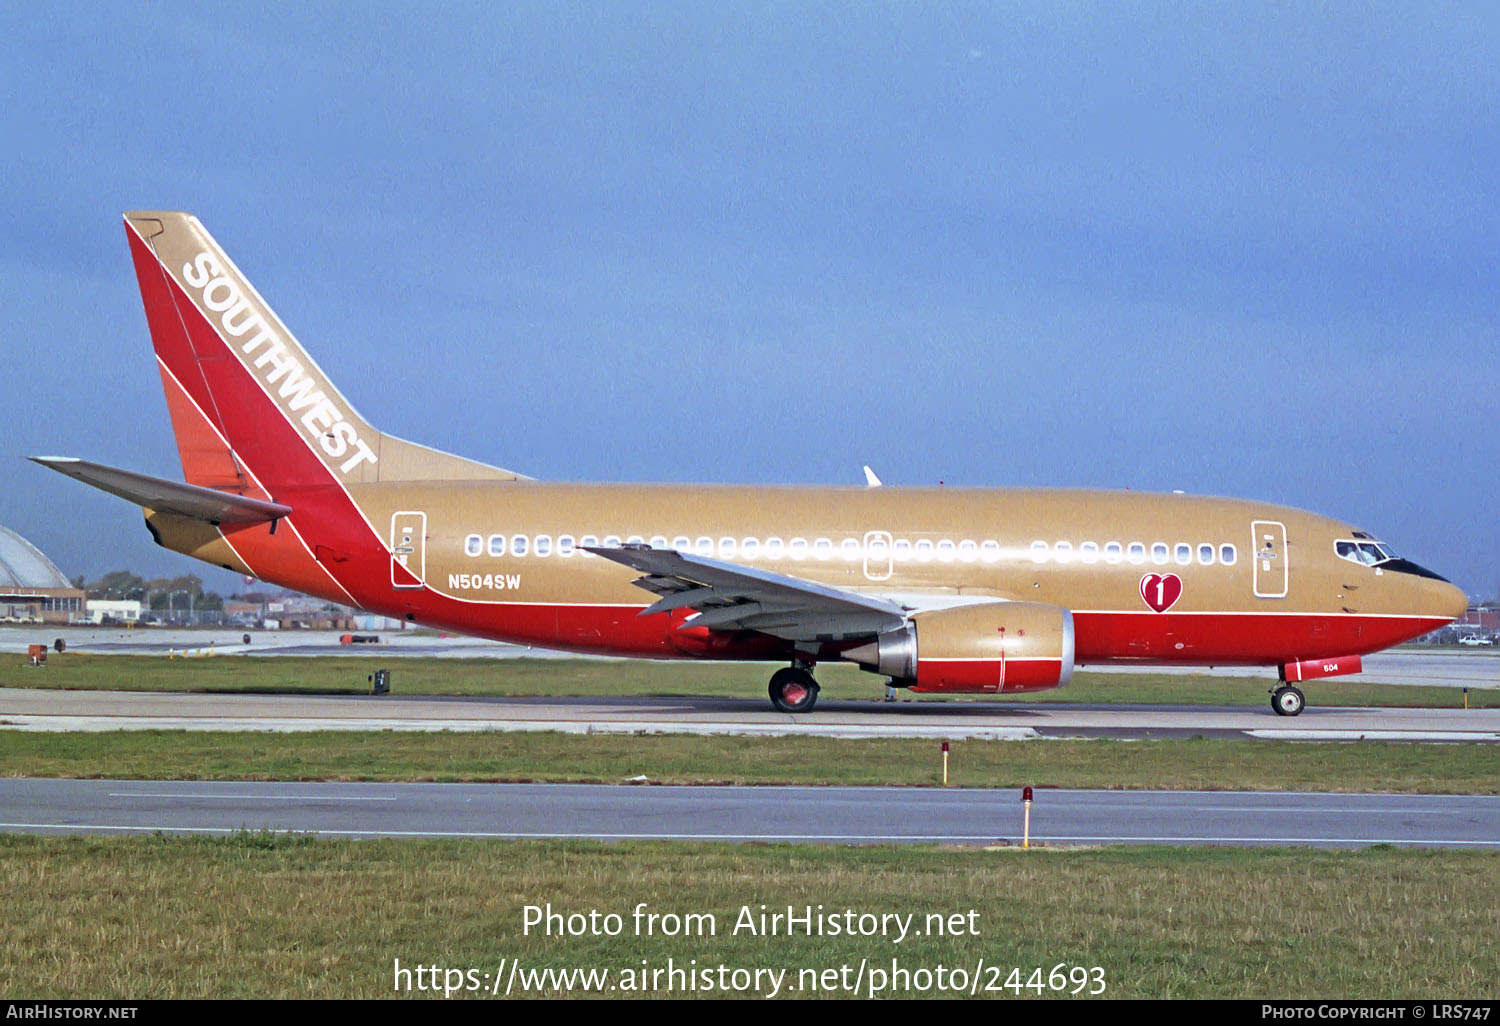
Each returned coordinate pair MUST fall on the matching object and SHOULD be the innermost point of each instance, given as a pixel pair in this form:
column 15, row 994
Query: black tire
column 1287, row 701
column 793, row 690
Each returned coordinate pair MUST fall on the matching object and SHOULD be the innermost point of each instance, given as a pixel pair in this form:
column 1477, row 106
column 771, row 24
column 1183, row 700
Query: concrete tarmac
column 824, row 815
column 50, row 710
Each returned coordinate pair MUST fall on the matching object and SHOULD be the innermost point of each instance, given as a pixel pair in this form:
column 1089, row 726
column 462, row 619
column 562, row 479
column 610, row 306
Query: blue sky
column 1238, row 249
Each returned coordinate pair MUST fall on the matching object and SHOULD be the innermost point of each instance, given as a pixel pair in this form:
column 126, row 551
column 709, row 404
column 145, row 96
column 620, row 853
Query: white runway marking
column 295, row 725
column 1375, row 735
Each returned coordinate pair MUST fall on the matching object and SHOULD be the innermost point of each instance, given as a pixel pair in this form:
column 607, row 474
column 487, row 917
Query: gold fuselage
column 1086, row 551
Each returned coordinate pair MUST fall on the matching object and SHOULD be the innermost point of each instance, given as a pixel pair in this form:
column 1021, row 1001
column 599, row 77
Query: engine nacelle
column 992, row 647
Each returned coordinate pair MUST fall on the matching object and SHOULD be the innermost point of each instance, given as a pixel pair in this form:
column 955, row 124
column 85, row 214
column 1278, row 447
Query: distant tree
column 211, row 601
column 117, row 584
column 155, row 592
column 189, row 583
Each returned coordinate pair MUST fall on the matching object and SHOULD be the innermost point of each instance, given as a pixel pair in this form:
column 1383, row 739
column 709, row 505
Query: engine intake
column 992, row 647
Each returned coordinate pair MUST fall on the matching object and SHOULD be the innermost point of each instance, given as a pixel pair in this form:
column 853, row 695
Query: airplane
column 940, row 590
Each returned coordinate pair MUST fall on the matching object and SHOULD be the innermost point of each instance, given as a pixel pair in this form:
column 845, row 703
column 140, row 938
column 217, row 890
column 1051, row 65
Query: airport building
column 114, row 611
column 32, row 588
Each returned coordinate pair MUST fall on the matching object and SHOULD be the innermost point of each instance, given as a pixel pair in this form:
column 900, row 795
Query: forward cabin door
column 408, row 549
column 1268, row 549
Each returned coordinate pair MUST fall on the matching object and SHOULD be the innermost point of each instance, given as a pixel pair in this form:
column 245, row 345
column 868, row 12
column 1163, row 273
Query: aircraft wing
column 164, row 496
column 731, row 597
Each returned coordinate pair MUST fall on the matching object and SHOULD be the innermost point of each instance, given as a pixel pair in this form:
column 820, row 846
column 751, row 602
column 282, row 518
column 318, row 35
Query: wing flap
column 729, row 596
column 154, row 493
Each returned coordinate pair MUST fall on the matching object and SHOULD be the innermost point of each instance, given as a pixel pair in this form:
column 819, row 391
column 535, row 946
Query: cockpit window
column 1369, row 553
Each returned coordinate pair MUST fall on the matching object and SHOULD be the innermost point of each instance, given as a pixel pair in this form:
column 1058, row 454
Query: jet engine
column 993, row 647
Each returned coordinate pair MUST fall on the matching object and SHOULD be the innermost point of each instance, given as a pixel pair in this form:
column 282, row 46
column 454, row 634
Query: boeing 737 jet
column 938, row 589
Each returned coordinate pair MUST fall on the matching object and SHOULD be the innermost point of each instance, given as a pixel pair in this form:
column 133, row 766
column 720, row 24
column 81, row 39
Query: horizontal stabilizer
column 163, row 496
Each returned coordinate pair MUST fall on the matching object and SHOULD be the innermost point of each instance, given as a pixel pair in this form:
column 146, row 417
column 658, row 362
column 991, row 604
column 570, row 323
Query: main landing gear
column 793, row 689
column 1287, row 700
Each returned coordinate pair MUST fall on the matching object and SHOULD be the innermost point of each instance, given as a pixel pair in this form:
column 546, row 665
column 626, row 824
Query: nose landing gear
column 793, row 690
column 1287, row 700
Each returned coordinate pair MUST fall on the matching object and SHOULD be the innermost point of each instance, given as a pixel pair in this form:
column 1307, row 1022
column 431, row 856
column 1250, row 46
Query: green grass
column 257, row 916
column 1171, row 763
column 555, row 677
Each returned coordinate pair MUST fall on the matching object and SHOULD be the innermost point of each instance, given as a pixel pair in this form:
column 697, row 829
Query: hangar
column 32, row 588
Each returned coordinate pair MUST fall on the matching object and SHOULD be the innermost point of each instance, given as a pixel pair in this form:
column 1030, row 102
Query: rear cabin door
column 408, row 549
column 1269, row 552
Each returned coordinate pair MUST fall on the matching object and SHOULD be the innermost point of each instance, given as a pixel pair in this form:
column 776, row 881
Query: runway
column 51, row 710
column 823, row 815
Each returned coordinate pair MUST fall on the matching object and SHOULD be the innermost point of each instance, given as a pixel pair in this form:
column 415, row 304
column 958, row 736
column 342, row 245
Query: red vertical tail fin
column 249, row 407
column 251, row 410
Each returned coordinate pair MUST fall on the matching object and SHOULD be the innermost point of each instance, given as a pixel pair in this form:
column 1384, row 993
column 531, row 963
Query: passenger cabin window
column 588, row 541
column 850, row 550
column 967, row 551
column 774, row 548
column 924, row 550
column 1039, row 551
column 473, row 545
column 518, row 545
column 798, row 548
column 612, row 541
column 543, row 545
column 823, row 548
column 658, row 542
column 989, row 551
column 1113, row 552
column 1206, row 554
column 750, row 547
column 945, row 551
column 1159, row 553
column 1184, row 553
column 902, row 549
column 1227, row 555
column 1063, row 551
column 497, row 544
column 727, row 547
column 705, row 546
column 565, row 545
column 1089, row 552
column 1137, row 552
column 682, row 544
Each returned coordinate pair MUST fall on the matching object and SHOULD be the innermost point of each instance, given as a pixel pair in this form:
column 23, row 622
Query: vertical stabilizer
column 251, row 410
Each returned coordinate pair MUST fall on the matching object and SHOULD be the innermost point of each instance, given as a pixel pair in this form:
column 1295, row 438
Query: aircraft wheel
column 1287, row 701
column 793, row 690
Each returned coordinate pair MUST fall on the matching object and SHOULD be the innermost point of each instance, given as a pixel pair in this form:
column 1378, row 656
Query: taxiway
column 824, row 815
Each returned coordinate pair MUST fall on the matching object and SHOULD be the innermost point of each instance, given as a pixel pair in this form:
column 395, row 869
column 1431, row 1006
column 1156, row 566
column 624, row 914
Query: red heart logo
column 1161, row 591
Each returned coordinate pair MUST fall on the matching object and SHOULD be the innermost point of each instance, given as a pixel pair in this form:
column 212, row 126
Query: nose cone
column 1443, row 599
